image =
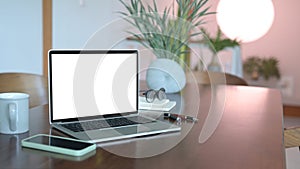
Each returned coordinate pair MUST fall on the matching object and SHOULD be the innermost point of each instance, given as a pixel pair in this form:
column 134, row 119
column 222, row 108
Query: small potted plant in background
column 257, row 67
column 217, row 44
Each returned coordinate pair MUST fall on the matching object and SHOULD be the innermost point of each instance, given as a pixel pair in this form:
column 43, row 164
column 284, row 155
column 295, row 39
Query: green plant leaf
column 266, row 67
column 218, row 43
column 162, row 32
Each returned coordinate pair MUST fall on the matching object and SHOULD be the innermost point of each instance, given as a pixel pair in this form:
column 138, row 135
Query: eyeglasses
column 152, row 94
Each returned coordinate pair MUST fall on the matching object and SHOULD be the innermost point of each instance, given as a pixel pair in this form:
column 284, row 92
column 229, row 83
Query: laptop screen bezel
column 92, row 51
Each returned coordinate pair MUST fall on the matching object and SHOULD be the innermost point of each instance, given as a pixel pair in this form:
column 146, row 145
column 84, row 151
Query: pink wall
column 281, row 42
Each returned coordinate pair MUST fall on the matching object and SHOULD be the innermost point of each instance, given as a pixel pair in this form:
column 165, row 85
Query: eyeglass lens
column 161, row 95
column 150, row 95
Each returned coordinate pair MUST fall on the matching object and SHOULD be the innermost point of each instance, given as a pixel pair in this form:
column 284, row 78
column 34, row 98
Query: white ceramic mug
column 14, row 117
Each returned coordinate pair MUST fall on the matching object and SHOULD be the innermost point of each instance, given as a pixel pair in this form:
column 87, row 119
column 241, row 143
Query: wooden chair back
column 34, row 85
column 207, row 78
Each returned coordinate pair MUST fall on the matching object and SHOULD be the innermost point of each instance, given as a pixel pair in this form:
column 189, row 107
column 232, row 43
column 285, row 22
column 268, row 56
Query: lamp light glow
column 245, row 20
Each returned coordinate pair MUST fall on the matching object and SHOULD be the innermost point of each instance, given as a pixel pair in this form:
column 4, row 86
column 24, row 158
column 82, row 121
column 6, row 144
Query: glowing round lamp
column 245, row 20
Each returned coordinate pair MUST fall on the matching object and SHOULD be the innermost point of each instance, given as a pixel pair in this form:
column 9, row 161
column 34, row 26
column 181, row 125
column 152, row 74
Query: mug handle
column 13, row 111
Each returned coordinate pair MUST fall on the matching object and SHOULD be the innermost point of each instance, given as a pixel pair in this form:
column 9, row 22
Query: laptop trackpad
column 131, row 129
column 117, row 132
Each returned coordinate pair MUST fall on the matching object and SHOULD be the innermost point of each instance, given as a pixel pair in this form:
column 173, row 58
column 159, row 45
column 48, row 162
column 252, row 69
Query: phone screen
column 59, row 142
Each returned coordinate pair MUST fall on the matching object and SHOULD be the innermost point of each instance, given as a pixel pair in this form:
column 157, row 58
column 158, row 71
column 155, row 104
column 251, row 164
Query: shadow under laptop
column 141, row 146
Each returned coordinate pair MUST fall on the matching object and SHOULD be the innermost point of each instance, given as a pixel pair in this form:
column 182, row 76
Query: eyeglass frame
column 156, row 94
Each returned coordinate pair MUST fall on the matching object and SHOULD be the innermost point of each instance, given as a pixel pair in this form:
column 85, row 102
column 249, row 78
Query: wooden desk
column 248, row 136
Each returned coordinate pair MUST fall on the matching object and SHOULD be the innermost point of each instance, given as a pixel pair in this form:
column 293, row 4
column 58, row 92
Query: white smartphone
column 58, row 144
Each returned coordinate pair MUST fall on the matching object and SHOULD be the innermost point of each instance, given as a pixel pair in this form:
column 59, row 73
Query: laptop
column 93, row 96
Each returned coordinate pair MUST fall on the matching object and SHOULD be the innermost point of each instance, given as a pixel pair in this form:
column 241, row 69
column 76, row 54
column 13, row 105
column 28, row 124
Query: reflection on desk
column 248, row 136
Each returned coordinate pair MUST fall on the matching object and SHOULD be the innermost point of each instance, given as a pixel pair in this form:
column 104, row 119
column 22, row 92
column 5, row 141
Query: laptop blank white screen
column 91, row 84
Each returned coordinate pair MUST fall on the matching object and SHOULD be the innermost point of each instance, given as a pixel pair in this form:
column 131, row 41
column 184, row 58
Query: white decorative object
column 236, row 61
column 214, row 64
column 165, row 73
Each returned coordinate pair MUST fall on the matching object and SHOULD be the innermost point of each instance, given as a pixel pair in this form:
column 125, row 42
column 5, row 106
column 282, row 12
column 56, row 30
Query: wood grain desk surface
column 249, row 135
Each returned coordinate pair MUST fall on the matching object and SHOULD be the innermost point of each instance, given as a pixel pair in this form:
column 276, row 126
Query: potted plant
column 256, row 67
column 167, row 34
column 217, row 44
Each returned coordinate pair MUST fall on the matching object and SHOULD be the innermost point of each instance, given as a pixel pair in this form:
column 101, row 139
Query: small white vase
column 214, row 65
column 165, row 73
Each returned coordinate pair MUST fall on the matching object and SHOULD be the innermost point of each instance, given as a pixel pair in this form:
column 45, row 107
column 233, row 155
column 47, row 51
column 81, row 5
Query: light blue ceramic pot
column 165, row 73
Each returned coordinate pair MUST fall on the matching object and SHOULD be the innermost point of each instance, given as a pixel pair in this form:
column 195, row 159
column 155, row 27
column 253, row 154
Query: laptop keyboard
column 100, row 124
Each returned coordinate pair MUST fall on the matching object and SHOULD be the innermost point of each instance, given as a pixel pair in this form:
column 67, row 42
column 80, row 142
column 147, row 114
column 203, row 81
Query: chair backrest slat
column 207, row 78
column 34, row 85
